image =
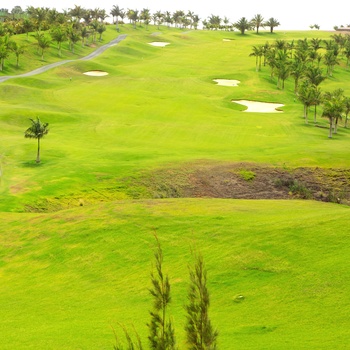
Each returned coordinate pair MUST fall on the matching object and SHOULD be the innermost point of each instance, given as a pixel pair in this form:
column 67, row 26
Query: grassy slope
column 157, row 106
column 67, row 276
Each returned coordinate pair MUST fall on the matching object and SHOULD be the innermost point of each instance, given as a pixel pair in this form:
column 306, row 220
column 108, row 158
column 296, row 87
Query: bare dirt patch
column 250, row 181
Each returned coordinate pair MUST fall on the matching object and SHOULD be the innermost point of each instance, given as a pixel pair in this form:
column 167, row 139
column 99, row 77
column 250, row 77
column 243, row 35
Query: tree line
column 309, row 62
column 200, row 334
column 79, row 24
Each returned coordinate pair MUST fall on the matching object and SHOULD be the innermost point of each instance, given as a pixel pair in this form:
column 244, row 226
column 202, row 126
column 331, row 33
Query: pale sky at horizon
column 297, row 14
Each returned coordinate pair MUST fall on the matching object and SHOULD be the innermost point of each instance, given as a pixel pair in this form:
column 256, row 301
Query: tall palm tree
column 115, row 12
column 37, row 131
column 257, row 22
column 258, row 52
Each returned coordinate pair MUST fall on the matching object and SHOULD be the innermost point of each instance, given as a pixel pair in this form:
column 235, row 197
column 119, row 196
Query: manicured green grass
column 157, row 106
column 68, row 276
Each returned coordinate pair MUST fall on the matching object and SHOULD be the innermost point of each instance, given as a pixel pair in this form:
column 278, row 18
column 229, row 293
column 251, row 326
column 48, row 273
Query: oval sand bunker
column 227, row 82
column 96, row 73
column 260, row 107
column 159, row 43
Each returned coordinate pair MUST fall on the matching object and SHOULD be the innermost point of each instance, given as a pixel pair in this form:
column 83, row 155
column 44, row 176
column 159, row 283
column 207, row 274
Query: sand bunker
column 226, row 39
column 159, row 43
column 260, row 107
column 227, row 82
column 96, row 73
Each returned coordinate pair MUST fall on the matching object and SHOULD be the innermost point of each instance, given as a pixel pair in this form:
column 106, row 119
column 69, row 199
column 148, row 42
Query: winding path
column 56, row 64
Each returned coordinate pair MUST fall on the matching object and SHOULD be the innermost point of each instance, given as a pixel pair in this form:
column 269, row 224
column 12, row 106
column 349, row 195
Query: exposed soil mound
column 252, row 181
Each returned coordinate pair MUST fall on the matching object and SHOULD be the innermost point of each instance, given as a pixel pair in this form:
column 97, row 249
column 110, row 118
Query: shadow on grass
column 31, row 164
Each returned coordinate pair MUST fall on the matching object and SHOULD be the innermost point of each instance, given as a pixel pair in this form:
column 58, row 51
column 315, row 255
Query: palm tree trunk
column 315, row 114
column 38, row 152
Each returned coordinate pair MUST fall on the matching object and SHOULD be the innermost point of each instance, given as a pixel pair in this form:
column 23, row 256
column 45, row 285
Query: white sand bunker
column 96, row 73
column 159, row 43
column 226, row 40
column 260, row 107
column 227, row 82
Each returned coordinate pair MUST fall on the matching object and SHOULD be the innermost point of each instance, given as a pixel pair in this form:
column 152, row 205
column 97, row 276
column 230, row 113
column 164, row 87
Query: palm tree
column 317, row 99
column 282, row 64
column 100, row 29
column 257, row 53
column 44, row 43
column 306, row 96
column 257, row 22
column 346, row 110
column 37, row 131
column 316, row 43
column 115, row 12
column 27, row 26
column 84, row 33
column 242, row 25
column 4, row 53
column 330, row 60
column 314, row 75
column 333, row 107
column 272, row 23
column 297, row 69
column 59, row 35
column 18, row 50
column 168, row 18
column 77, row 12
column 73, row 37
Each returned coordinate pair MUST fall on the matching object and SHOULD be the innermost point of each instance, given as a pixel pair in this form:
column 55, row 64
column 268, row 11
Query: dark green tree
column 37, row 131
column 199, row 330
column 242, row 25
column 161, row 331
column 272, row 23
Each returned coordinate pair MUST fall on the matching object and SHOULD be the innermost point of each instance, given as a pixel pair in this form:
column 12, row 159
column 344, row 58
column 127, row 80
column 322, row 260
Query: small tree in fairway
column 37, row 131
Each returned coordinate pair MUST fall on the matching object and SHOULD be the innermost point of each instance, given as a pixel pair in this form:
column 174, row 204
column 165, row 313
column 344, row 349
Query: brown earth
column 251, row 181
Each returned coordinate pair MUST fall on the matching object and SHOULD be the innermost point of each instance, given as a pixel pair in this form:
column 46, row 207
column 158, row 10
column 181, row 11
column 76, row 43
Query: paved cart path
column 56, row 64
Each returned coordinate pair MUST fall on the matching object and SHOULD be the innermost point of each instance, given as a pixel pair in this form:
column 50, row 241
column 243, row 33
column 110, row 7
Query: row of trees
column 200, row 334
column 49, row 26
column 42, row 18
column 305, row 61
column 243, row 24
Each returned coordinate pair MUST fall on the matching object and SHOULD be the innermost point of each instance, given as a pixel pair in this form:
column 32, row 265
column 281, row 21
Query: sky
column 292, row 14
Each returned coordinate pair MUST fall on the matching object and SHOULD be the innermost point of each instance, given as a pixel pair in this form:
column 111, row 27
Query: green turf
column 68, row 276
